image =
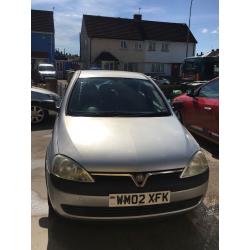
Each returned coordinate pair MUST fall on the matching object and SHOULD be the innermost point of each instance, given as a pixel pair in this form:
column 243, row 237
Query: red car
column 198, row 110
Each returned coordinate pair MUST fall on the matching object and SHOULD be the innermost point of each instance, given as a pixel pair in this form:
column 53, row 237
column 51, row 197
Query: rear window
column 46, row 68
column 210, row 90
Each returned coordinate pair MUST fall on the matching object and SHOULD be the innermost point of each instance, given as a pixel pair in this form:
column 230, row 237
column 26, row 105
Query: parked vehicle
column 47, row 72
column 191, row 86
column 119, row 152
column 35, row 76
column 161, row 80
column 199, row 110
column 169, row 88
column 38, row 95
column 200, row 68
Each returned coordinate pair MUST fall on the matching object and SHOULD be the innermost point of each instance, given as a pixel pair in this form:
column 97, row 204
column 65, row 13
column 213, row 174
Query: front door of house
column 108, row 65
column 175, row 70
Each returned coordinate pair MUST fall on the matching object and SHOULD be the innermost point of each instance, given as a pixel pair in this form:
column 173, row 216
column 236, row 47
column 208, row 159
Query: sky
column 68, row 17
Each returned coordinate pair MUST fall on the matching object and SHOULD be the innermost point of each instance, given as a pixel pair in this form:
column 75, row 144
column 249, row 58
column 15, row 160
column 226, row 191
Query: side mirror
column 50, row 105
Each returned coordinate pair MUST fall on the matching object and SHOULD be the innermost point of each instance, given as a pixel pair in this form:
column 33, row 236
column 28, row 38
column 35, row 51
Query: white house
column 134, row 44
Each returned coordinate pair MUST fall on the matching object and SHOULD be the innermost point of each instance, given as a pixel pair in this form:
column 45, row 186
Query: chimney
column 137, row 17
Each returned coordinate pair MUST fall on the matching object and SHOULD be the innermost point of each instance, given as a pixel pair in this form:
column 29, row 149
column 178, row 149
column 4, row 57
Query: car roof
column 111, row 73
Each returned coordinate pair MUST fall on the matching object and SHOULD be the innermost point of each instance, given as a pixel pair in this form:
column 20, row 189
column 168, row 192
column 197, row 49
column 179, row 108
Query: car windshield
column 116, row 97
column 46, row 68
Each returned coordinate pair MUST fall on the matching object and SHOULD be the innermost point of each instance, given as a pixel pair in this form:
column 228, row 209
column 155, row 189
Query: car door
column 206, row 110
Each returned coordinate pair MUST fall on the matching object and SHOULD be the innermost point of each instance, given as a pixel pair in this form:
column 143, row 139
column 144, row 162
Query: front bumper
column 72, row 201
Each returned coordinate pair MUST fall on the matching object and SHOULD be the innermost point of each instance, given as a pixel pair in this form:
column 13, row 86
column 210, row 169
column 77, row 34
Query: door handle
column 207, row 108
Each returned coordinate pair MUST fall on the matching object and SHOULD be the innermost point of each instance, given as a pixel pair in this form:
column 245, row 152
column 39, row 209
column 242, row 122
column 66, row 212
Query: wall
column 43, row 42
column 84, row 46
column 113, row 46
column 92, row 47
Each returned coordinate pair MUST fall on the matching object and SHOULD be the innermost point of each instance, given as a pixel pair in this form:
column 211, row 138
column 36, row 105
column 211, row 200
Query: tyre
column 38, row 114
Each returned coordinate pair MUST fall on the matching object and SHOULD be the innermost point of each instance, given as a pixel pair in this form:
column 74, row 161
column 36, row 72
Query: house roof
column 212, row 53
column 42, row 21
column 131, row 29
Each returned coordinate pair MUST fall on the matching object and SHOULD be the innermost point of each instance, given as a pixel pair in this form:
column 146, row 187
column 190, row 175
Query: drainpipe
column 90, row 51
column 80, row 46
column 51, row 50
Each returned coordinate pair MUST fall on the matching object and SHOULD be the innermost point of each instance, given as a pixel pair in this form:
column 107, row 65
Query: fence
column 62, row 66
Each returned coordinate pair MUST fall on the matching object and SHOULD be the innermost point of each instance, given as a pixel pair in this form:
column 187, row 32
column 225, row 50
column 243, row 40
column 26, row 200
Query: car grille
column 129, row 211
column 105, row 185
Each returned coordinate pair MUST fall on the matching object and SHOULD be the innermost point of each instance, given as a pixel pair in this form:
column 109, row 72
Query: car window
column 210, row 90
column 102, row 95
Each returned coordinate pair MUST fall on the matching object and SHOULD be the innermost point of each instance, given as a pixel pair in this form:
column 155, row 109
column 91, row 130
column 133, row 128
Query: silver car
column 47, row 71
column 119, row 152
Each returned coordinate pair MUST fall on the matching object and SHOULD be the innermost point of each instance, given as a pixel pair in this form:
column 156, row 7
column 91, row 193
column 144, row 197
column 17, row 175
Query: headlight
column 197, row 165
column 66, row 168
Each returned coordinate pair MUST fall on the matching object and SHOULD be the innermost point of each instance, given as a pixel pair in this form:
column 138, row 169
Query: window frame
column 165, row 47
column 123, row 44
column 152, row 46
column 130, row 66
column 157, row 68
column 138, row 45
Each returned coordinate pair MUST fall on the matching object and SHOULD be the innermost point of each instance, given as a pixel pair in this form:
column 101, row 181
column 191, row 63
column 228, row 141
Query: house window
column 125, row 67
column 124, row 44
column 164, row 47
column 138, row 45
column 157, row 68
column 151, row 46
column 130, row 67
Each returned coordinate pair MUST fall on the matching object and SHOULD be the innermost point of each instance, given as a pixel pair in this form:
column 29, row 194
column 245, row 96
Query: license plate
column 139, row 199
